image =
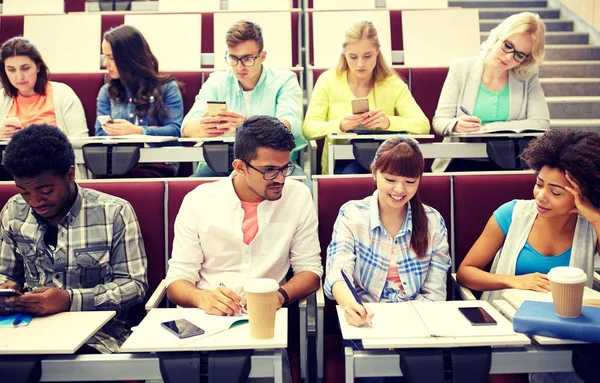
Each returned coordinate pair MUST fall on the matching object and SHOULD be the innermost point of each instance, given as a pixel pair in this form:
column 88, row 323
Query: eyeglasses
column 246, row 60
column 271, row 174
column 508, row 47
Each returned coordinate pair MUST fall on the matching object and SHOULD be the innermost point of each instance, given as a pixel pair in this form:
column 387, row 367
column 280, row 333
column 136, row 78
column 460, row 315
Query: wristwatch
column 286, row 297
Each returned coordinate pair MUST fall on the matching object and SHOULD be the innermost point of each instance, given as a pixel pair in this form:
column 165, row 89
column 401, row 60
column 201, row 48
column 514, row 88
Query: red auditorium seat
column 86, row 86
column 476, row 197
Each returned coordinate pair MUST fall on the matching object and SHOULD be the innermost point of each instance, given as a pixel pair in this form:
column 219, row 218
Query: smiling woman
column 565, row 208
column 392, row 246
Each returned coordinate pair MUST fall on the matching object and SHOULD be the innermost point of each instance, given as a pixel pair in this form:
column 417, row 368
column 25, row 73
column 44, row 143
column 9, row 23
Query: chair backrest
column 333, row 191
column 86, row 86
column 178, row 47
column 192, row 82
column 10, row 26
column 177, row 190
column 476, row 197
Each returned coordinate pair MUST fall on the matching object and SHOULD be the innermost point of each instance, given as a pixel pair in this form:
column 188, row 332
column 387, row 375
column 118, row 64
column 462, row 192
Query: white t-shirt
column 248, row 100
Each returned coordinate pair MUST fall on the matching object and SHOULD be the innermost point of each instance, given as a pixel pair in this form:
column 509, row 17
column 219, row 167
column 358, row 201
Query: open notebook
column 484, row 130
column 516, row 297
column 424, row 319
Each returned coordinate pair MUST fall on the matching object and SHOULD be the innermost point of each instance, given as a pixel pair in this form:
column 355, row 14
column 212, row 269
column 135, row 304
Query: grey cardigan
column 528, row 107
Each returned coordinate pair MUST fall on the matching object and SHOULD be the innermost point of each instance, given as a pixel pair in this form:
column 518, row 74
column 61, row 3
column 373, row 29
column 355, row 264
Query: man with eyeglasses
column 252, row 224
column 248, row 88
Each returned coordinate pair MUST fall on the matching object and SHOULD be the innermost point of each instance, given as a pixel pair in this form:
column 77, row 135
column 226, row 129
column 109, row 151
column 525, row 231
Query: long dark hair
column 401, row 156
column 20, row 46
column 138, row 71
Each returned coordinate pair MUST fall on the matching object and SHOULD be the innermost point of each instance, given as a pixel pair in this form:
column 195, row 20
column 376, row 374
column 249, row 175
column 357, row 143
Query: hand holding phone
column 477, row 316
column 215, row 107
column 12, row 122
column 183, row 328
column 103, row 120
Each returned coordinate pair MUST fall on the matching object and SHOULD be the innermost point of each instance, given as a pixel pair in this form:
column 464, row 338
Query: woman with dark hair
column 138, row 99
column 565, row 209
column 30, row 97
column 392, row 246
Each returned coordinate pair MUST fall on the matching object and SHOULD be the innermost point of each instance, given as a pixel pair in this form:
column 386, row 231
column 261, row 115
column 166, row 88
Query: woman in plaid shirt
column 392, row 247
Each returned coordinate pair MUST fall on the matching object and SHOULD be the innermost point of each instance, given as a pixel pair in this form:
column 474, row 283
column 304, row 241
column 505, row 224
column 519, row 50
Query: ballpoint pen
column 353, row 290
column 241, row 306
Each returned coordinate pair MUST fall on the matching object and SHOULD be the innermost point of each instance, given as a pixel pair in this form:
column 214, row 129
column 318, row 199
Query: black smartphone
column 8, row 293
column 477, row 316
column 183, row 328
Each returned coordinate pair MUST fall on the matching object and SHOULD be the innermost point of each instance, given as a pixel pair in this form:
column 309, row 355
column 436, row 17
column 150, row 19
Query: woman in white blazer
column 500, row 87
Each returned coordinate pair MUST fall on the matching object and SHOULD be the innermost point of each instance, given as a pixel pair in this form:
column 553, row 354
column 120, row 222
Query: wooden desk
column 61, row 333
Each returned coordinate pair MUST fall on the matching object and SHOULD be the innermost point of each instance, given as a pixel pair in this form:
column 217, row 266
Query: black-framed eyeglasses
column 271, row 174
column 246, row 60
column 509, row 47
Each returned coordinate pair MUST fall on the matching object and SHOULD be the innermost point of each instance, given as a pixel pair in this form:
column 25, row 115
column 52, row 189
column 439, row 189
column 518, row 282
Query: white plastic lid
column 261, row 285
column 567, row 274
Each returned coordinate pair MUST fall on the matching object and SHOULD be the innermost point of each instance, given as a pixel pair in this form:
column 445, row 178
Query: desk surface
column 382, row 137
column 61, row 333
column 223, row 138
column 496, row 135
column 150, row 336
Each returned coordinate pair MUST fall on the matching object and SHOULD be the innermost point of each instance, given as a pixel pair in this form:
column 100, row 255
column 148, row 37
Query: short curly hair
column 575, row 151
column 37, row 149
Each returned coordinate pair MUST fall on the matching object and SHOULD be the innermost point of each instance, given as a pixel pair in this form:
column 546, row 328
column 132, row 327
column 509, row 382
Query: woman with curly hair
column 564, row 209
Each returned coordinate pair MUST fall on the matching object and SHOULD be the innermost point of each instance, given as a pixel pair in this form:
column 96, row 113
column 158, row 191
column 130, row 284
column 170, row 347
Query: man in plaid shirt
column 76, row 249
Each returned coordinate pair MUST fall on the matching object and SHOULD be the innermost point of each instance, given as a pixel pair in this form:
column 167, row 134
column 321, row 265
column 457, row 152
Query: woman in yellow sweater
column 361, row 73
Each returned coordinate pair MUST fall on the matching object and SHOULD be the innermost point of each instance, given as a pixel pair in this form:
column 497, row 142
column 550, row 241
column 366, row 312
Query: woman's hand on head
column 120, row 127
column 534, row 281
column 467, row 124
column 582, row 205
column 357, row 314
column 376, row 119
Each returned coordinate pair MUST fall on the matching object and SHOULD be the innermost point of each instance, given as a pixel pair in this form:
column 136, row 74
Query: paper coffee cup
column 261, row 304
column 567, row 284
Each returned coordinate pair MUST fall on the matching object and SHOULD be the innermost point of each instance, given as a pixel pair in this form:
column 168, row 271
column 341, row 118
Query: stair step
column 503, row 13
column 557, row 37
column 588, row 124
column 551, row 25
column 557, row 87
column 577, row 69
column 567, row 52
column 498, row 3
column 574, row 107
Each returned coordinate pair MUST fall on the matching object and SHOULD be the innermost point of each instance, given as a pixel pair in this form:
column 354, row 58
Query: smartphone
column 12, row 121
column 8, row 293
column 477, row 316
column 183, row 328
column 104, row 119
column 360, row 105
column 215, row 107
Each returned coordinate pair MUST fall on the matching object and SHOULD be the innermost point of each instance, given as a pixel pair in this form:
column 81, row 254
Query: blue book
column 539, row 318
column 15, row 320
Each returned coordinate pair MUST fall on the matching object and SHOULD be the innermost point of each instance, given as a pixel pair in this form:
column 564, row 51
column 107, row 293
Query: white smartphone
column 104, row 119
column 12, row 121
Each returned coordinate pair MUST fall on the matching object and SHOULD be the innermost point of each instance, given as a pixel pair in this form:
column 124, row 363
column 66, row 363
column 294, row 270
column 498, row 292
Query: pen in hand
column 355, row 294
column 241, row 305
column 465, row 111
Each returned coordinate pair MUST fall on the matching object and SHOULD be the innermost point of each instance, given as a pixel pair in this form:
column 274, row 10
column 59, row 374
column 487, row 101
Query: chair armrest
column 318, row 294
column 157, row 296
column 464, row 292
column 312, row 151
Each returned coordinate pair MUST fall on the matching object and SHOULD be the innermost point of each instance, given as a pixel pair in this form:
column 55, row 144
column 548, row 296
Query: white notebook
column 516, row 297
column 424, row 319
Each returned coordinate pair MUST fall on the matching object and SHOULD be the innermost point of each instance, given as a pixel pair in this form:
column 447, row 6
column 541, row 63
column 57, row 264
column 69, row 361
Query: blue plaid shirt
column 362, row 247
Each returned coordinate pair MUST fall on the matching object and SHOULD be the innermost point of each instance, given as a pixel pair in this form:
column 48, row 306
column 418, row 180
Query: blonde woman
column 499, row 88
column 361, row 73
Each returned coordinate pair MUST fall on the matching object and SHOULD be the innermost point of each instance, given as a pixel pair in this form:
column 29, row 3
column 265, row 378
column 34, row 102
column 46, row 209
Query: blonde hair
column 524, row 22
column 364, row 30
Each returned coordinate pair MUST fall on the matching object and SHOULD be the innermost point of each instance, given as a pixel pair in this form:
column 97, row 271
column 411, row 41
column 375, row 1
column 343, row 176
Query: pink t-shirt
column 393, row 275
column 250, row 224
